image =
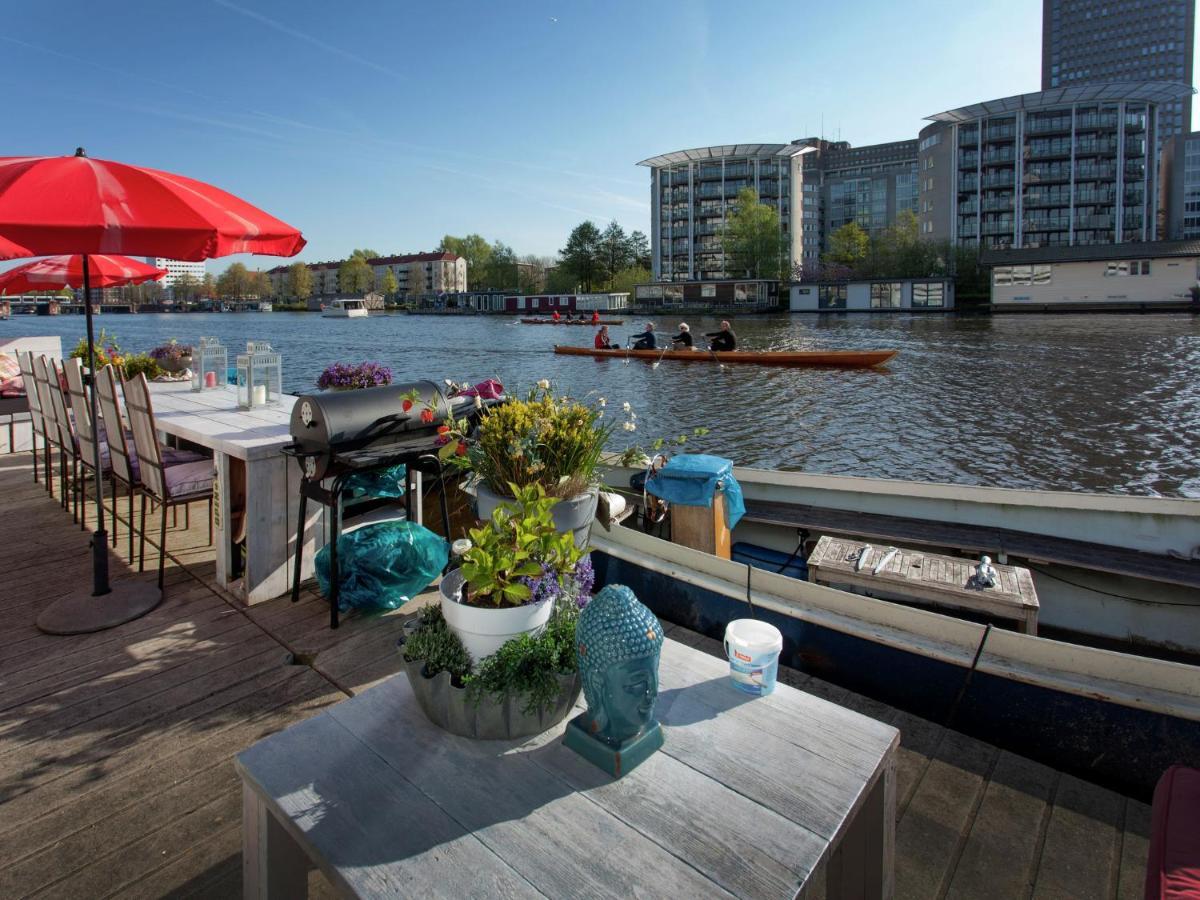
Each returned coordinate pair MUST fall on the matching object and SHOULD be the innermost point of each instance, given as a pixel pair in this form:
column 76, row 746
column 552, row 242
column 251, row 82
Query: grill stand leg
column 303, row 513
column 335, row 531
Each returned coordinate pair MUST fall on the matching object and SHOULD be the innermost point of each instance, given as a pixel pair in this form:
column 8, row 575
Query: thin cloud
column 307, row 38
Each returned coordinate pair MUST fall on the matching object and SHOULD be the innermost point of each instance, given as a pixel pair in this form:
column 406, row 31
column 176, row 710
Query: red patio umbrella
column 9, row 250
column 67, row 271
column 73, row 204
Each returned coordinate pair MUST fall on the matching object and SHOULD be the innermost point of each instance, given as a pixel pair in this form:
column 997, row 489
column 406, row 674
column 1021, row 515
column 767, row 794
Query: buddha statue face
column 618, row 642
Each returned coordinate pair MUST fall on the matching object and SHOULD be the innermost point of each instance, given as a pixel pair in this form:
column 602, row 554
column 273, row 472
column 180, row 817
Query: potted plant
column 172, row 356
column 519, row 563
column 344, row 377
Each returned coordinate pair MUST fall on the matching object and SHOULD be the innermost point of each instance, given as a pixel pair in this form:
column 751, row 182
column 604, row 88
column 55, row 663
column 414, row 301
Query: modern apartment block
column 1089, row 41
column 1071, row 165
column 416, row 274
column 1180, row 175
column 815, row 185
column 176, row 268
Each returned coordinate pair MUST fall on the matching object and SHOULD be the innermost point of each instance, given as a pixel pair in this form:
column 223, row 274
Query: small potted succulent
column 344, row 377
column 518, row 564
column 172, row 356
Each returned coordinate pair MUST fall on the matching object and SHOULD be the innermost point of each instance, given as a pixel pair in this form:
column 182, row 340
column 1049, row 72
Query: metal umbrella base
column 84, row 613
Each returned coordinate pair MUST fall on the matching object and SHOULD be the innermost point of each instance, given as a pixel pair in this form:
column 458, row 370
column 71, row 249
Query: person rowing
column 602, row 341
column 683, row 340
column 645, row 340
column 722, row 341
column 595, row 317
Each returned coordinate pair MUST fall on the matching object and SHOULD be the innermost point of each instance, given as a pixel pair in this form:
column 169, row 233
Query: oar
column 654, row 365
column 717, row 359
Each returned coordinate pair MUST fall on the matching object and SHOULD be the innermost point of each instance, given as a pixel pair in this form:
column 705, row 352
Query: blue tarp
column 387, row 482
column 384, row 565
column 691, row 479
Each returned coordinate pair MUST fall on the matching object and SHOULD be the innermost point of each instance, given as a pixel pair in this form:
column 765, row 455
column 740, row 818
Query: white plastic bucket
column 753, row 648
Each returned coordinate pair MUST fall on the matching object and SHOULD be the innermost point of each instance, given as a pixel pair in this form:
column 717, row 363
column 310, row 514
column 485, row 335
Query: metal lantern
column 259, row 375
column 210, row 362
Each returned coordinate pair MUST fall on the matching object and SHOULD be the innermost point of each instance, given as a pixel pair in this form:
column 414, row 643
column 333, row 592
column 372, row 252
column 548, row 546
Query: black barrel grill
column 339, row 434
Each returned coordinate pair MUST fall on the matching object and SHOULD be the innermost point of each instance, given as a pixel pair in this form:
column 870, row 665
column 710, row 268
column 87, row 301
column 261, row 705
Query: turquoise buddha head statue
column 618, row 641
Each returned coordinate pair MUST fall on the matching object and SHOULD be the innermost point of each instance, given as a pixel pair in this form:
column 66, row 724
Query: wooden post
column 702, row 528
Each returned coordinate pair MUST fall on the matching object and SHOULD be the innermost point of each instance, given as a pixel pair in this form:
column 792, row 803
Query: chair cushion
column 1173, row 867
column 9, row 367
column 189, row 478
column 12, row 387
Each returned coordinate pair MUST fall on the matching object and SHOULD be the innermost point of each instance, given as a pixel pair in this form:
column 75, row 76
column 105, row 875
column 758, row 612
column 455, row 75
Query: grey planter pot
column 574, row 514
column 449, row 708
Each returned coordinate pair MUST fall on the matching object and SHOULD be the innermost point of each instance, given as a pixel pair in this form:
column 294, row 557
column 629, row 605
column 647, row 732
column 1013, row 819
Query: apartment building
column 417, row 274
column 815, row 185
column 1089, row 41
column 1071, row 165
column 1180, row 176
column 177, row 268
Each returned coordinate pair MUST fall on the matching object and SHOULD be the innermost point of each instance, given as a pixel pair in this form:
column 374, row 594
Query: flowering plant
column 363, row 375
column 171, row 351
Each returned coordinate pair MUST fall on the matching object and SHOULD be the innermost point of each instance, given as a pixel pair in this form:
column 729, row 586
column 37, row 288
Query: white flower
column 544, row 384
column 478, row 402
column 602, row 402
column 633, row 415
column 629, row 426
column 625, row 406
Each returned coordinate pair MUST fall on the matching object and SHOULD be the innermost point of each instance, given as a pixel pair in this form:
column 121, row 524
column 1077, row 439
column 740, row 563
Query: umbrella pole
column 100, row 584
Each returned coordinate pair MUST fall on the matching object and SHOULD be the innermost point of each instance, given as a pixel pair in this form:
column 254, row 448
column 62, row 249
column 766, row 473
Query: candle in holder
column 210, row 379
column 260, row 395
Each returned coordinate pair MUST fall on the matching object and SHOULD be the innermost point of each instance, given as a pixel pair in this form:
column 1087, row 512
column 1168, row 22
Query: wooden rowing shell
column 856, row 359
column 564, row 322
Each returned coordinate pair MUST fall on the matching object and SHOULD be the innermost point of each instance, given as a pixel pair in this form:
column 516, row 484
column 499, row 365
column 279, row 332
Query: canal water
column 1085, row 402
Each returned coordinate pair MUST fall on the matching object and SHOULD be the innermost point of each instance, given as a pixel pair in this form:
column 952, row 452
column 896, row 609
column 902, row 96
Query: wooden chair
column 170, row 486
column 68, row 438
column 36, row 419
column 88, row 435
column 58, row 426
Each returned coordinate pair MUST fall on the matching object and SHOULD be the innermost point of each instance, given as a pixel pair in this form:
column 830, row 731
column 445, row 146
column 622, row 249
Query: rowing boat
column 843, row 358
column 565, row 322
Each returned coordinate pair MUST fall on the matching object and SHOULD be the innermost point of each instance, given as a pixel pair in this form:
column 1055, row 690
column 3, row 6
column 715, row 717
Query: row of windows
column 885, row 295
column 1127, row 267
column 1020, row 275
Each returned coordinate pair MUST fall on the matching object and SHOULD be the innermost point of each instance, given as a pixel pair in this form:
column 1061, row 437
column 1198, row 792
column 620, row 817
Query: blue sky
column 390, row 124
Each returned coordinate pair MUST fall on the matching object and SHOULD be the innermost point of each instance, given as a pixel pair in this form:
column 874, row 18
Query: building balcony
column 968, row 185
column 968, row 137
column 996, row 228
column 1097, row 221
column 708, row 173
column 1094, row 122
column 1095, row 198
column 1048, row 223
column 1056, row 125
column 969, row 208
column 1095, row 148
column 968, row 161
column 997, row 158
column 1095, row 173
column 1135, row 172
column 1046, row 199
column 1132, row 220
column 998, row 180
column 1049, row 151
column 1000, row 133
column 998, row 204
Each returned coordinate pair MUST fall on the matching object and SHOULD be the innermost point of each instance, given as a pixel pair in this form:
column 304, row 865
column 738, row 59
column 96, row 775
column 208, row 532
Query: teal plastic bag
column 691, row 479
column 389, row 482
column 384, row 565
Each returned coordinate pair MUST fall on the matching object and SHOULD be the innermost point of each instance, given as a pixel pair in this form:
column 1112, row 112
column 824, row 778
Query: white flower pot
column 484, row 630
column 574, row 514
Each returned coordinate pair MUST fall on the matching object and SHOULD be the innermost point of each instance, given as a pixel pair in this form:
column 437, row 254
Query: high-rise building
column 1089, row 41
column 816, row 185
column 177, row 267
column 1180, row 173
column 1071, row 165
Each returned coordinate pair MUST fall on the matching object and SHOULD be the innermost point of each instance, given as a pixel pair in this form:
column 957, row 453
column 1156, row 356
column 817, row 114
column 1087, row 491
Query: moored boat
column 567, row 322
column 855, row 359
column 345, row 309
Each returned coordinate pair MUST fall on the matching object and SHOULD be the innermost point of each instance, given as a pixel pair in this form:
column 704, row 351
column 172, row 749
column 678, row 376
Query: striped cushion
column 9, row 367
column 187, row 479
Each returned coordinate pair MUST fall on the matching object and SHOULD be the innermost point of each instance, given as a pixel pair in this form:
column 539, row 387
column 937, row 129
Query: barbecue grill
column 338, row 434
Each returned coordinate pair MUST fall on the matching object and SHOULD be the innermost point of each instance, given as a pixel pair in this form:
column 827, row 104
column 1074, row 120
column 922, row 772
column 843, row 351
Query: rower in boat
column 683, row 340
column 645, row 340
column 595, row 317
column 556, row 317
column 722, row 341
column 602, row 341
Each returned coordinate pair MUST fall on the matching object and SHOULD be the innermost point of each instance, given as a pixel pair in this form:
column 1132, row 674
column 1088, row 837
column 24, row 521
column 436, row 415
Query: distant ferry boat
column 265, row 307
column 345, row 309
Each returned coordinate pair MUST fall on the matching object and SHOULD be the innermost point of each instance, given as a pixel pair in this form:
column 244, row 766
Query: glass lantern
column 210, row 365
column 259, row 375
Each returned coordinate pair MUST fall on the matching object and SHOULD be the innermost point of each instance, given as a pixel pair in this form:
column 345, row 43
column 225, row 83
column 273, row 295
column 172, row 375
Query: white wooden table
column 749, row 797
column 245, row 445
column 914, row 575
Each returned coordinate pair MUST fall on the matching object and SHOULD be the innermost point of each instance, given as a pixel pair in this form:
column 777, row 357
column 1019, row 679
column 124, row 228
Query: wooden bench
column 926, row 577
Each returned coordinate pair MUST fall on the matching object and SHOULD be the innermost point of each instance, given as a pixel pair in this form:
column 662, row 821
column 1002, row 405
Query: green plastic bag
column 384, row 565
column 389, row 482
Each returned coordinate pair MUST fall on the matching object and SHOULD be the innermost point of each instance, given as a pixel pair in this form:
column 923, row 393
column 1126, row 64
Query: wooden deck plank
column 1081, row 854
column 1135, row 850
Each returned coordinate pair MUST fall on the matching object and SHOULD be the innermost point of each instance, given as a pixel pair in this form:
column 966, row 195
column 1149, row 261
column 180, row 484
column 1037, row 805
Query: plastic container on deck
column 753, row 648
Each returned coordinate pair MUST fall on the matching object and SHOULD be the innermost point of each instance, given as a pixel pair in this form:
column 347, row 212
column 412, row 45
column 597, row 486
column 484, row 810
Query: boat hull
column 552, row 322
column 851, row 359
column 344, row 313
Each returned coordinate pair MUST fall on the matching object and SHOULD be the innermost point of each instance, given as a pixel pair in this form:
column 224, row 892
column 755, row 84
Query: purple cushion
column 189, row 478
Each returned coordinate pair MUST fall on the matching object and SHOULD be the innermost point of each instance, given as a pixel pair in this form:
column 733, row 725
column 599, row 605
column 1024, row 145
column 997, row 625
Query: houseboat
column 345, row 309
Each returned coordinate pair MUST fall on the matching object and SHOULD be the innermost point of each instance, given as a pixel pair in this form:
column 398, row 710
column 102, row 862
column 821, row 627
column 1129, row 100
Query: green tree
column 186, row 287
column 560, row 280
column 234, row 283
column 623, row 281
column 848, row 246
column 616, row 253
column 388, row 285
column 365, row 254
column 753, row 243
column 639, row 247
column 299, row 281
column 208, row 287
column 260, row 284
column 500, row 272
column 581, row 258
column 474, row 249
column 355, row 276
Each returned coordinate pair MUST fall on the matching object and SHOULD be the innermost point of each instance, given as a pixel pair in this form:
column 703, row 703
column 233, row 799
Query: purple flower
column 362, row 375
column 585, row 578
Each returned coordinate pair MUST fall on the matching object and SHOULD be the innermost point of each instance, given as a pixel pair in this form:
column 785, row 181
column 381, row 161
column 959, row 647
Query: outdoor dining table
column 774, row 796
column 252, row 477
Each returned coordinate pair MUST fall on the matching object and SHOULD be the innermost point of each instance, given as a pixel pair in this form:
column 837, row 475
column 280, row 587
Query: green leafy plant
column 634, row 457
column 141, row 363
column 438, row 647
column 108, row 352
column 519, row 543
column 530, row 665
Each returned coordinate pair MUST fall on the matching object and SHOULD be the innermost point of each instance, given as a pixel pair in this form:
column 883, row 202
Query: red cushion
column 1173, row 869
column 12, row 387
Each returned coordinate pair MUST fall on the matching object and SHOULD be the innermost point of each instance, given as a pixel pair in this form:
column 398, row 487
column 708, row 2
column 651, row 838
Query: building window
column 885, row 295
column 708, row 290
column 1123, row 268
column 832, row 296
column 930, row 293
column 673, row 295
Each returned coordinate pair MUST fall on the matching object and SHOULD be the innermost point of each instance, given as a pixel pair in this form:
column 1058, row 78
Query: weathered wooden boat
column 1109, row 690
column 853, row 359
column 576, row 322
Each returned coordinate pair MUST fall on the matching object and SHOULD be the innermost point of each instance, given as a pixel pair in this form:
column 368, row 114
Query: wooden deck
column 116, row 774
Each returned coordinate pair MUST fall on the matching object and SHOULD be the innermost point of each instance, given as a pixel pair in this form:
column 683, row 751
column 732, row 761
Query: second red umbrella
column 67, row 271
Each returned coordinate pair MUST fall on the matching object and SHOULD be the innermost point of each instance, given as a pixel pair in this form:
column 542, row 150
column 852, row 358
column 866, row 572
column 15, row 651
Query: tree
column 848, row 246
column 388, row 285
column 753, row 242
column 260, row 284
column 500, row 272
column 623, row 281
column 186, row 287
column 208, row 287
column 560, row 280
column 365, row 254
column 581, row 258
column 474, row 249
column 299, row 281
column 616, row 253
column 234, row 283
column 640, row 248
column 355, row 276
